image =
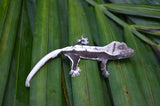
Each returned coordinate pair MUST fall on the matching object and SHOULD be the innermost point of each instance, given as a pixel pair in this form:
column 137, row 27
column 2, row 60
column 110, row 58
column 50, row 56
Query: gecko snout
column 131, row 51
column 126, row 53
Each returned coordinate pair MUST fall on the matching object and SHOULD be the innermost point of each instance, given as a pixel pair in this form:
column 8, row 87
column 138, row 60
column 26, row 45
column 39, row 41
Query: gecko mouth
column 130, row 52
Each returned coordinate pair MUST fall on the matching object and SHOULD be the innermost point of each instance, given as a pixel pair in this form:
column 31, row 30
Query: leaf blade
column 133, row 9
column 108, row 33
column 54, row 90
column 84, row 87
column 4, row 4
column 149, row 29
column 40, row 44
column 146, row 74
column 7, row 43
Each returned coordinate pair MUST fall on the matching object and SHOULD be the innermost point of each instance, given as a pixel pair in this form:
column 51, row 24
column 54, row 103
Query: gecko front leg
column 75, row 60
column 103, row 68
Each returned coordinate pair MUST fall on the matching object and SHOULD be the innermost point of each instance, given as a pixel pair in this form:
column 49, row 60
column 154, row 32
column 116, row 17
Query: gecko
column 113, row 51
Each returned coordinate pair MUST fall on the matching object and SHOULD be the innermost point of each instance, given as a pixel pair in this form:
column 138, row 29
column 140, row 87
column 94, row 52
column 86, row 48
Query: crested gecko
column 113, row 51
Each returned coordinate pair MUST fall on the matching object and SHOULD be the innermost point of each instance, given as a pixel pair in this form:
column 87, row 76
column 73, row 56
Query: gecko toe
column 78, row 69
column 78, row 74
column 71, row 72
column 106, row 74
column 75, row 73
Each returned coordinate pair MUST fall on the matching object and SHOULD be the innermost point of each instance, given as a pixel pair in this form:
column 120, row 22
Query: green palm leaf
column 4, row 4
column 54, row 92
column 108, row 33
column 20, row 65
column 149, row 29
column 86, row 90
column 135, row 9
column 7, row 43
column 40, row 48
column 144, row 75
column 30, row 29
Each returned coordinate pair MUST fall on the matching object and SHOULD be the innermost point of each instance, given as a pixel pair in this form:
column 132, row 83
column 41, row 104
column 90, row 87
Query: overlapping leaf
column 4, row 4
column 134, row 9
column 16, row 93
column 38, row 91
column 150, row 29
column 108, row 34
column 86, row 88
column 54, row 90
column 125, row 91
column 145, row 75
column 7, row 43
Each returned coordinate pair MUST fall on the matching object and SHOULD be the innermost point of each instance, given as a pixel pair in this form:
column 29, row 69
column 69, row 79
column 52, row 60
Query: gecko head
column 119, row 49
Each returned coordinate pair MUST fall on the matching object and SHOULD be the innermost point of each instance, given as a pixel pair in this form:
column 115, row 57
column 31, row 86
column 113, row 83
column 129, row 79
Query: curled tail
column 49, row 56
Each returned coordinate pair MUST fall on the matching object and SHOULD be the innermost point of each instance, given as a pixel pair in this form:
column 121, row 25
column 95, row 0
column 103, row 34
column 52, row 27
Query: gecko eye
column 122, row 47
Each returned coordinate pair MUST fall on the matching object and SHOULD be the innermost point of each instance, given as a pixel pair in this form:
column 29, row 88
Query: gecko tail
column 35, row 69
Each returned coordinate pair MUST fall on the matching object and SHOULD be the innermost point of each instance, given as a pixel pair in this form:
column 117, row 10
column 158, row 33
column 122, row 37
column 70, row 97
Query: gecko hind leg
column 75, row 60
column 103, row 68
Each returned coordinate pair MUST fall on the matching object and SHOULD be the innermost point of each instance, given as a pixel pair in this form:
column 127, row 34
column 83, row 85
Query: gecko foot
column 75, row 72
column 78, row 69
column 83, row 40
